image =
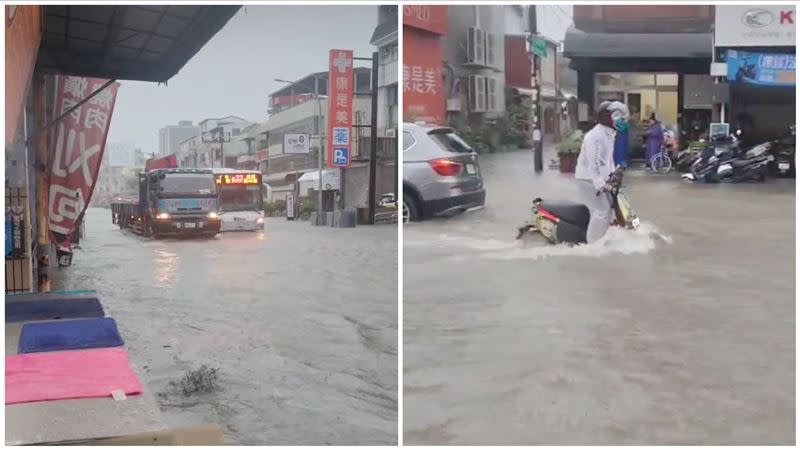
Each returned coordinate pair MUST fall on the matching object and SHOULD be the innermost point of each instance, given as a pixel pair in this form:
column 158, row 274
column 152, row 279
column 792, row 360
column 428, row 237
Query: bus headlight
column 162, row 216
column 213, row 215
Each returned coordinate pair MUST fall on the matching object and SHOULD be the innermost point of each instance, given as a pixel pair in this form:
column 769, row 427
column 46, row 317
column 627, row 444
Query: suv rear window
column 450, row 141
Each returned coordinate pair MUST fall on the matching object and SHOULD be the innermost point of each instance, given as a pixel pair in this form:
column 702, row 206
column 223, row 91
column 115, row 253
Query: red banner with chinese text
column 431, row 18
column 340, row 108
column 423, row 93
column 79, row 139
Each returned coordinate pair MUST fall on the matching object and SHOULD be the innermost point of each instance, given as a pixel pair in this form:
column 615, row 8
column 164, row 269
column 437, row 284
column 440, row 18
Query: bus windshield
column 240, row 197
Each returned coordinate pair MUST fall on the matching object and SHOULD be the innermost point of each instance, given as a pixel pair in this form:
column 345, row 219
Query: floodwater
column 681, row 333
column 301, row 322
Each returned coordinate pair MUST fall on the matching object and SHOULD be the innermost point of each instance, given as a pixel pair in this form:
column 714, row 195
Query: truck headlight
column 162, row 216
column 213, row 215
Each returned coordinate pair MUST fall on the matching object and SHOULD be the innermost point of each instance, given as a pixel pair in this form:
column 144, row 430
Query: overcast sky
column 233, row 73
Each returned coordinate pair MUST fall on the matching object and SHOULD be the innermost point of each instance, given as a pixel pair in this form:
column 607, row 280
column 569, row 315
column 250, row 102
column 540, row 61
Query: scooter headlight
column 260, row 220
column 213, row 215
column 162, row 216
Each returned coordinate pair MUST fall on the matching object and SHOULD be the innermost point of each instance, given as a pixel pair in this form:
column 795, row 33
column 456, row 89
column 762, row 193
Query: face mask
column 621, row 125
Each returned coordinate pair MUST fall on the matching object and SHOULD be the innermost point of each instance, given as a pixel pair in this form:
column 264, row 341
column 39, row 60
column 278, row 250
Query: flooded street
column 681, row 333
column 301, row 322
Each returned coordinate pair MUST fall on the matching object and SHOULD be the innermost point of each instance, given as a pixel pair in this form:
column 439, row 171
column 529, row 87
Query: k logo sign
column 758, row 18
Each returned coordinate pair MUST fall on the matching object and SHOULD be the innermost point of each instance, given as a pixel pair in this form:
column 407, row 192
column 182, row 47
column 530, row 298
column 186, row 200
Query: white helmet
column 617, row 110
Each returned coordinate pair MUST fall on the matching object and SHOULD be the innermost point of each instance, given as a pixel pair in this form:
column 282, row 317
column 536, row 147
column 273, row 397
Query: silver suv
column 441, row 174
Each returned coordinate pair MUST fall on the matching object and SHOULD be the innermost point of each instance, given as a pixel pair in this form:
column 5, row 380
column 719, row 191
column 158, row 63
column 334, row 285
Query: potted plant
column 568, row 150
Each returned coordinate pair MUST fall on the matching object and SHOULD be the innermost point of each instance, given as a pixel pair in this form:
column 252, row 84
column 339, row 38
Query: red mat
column 35, row 377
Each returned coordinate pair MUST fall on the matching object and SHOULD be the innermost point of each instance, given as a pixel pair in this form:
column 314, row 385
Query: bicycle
column 661, row 162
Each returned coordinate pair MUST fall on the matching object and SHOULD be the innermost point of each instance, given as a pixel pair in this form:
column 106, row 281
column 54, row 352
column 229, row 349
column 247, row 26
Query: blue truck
column 171, row 202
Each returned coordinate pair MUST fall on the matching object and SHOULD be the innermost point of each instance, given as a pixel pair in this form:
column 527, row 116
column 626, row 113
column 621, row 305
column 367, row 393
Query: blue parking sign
column 341, row 156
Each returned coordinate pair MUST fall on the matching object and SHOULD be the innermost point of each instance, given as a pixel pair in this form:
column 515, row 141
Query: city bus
column 241, row 199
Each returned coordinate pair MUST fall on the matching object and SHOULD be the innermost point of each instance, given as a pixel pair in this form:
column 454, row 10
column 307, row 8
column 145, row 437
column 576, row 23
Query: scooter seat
column 574, row 213
column 746, row 162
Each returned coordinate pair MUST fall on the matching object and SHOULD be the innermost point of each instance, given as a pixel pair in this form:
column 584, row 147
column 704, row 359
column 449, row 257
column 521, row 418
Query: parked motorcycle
column 567, row 222
column 686, row 157
column 723, row 162
column 784, row 149
column 751, row 166
column 721, row 150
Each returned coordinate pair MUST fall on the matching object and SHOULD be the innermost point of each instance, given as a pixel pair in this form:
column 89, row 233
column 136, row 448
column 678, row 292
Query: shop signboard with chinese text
column 432, row 18
column 763, row 69
column 79, row 139
column 754, row 25
column 340, row 108
column 423, row 93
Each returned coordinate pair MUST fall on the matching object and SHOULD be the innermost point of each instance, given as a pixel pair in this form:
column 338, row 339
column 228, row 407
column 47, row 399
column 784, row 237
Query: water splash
column 617, row 240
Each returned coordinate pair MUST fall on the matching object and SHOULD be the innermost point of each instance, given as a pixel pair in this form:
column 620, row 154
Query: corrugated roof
column 130, row 42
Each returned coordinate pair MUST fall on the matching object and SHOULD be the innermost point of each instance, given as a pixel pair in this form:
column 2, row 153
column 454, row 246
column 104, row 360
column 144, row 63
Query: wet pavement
column 301, row 322
column 682, row 333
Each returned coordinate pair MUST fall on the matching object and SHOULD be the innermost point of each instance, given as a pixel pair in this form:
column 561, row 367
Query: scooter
column 686, row 157
column 721, row 150
column 784, row 149
column 563, row 222
column 752, row 166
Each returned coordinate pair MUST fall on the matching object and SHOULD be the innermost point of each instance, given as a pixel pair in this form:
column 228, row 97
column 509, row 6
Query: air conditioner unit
column 477, row 93
column 491, row 94
column 491, row 52
column 391, row 133
column 476, row 47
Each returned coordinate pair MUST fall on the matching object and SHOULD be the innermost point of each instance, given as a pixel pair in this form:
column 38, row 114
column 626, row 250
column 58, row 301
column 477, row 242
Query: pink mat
column 35, row 377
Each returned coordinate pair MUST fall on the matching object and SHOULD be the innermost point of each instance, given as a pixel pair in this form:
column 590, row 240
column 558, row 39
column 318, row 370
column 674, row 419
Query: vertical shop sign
column 340, row 108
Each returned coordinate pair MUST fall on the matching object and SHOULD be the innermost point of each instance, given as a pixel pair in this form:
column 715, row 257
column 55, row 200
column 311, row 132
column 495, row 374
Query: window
column 237, row 131
column 449, row 141
column 408, row 140
column 667, row 79
column 388, row 54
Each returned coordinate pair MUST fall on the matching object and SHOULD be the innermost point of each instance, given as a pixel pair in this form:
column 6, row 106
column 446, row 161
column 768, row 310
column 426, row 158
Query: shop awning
column 126, row 42
column 578, row 44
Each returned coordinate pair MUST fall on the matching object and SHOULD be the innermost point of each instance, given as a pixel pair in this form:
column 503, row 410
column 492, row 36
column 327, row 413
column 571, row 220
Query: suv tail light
column 445, row 167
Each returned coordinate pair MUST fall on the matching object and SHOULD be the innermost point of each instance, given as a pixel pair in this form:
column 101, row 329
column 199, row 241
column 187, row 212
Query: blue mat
column 69, row 335
column 28, row 311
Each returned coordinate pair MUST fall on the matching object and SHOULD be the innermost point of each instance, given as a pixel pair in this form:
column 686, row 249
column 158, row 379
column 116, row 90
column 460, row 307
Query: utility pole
column 42, row 169
column 373, row 140
column 538, row 163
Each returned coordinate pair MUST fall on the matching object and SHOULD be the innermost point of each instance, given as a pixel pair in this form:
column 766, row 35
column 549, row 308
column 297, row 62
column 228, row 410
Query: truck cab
column 180, row 201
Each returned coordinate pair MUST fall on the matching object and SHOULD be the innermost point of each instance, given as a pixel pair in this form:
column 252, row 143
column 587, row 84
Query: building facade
column 654, row 58
column 199, row 150
column 385, row 39
column 754, row 53
column 170, row 136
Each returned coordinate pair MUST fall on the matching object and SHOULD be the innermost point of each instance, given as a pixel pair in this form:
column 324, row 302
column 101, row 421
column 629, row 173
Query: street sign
column 215, row 135
column 538, row 46
column 340, row 107
column 296, row 143
column 289, row 206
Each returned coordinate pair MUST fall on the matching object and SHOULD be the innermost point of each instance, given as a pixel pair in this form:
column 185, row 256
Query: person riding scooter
column 596, row 163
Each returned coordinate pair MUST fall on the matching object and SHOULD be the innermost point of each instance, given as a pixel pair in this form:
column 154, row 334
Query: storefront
column 661, row 73
column 644, row 93
column 755, row 56
column 423, row 92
